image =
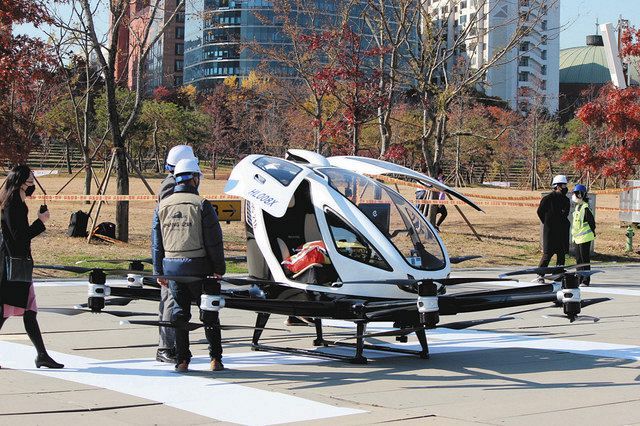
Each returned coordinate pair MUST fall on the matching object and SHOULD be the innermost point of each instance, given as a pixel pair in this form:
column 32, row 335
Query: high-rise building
column 528, row 75
column 218, row 31
column 165, row 63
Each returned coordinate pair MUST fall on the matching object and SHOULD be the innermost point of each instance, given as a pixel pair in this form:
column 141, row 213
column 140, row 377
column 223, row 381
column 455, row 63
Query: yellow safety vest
column 580, row 230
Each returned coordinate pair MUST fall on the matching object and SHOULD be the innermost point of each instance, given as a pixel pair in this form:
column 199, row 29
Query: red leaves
column 630, row 42
column 617, row 113
column 25, row 65
column 348, row 78
column 396, row 152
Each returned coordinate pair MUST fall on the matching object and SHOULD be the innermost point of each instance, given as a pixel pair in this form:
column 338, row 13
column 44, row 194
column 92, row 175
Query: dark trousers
column 184, row 294
column 546, row 258
column 442, row 210
column 583, row 255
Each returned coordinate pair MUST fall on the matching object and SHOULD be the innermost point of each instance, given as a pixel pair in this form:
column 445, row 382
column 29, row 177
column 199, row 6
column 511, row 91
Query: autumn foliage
column 25, row 65
column 615, row 114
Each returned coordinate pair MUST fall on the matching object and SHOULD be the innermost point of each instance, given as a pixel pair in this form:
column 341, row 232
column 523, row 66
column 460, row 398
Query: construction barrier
column 146, row 197
column 229, row 209
column 508, row 204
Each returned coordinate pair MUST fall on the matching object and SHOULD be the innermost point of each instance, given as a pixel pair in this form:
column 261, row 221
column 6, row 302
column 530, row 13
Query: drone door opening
column 296, row 241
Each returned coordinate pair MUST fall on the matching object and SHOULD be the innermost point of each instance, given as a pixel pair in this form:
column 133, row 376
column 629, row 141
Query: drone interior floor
column 529, row 370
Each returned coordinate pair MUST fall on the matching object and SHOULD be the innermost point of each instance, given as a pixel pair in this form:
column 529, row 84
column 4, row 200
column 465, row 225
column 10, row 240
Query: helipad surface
column 531, row 370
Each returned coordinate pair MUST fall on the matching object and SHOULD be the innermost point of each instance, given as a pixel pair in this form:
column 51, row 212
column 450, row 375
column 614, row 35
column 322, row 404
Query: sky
column 578, row 18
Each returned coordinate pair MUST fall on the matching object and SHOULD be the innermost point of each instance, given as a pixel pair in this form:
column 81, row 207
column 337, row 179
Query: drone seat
column 310, row 264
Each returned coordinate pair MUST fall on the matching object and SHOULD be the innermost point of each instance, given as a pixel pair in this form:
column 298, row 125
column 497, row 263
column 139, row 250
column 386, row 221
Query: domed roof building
column 583, row 70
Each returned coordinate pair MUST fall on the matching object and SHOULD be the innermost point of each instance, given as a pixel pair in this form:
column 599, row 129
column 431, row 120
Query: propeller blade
column 462, row 280
column 194, row 326
column 588, row 302
column 543, row 270
column 74, row 311
column 461, row 325
column 577, row 318
column 178, row 278
column 116, row 261
column 584, row 303
column 459, row 259
column 579, row 273
column 83, row 270
column 114, row 301
column 530, row 310
column 383, row 312
column 443, row 281
column 249, row 281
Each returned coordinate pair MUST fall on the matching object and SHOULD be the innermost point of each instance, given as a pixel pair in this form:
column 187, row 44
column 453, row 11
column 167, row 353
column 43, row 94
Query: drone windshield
column 393, row 215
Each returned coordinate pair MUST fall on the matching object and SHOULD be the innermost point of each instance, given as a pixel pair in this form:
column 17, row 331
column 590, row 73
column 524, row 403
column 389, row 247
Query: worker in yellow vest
column 583, row 229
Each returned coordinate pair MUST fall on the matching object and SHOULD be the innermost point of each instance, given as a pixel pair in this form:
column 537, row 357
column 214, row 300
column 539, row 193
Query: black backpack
column 78, row 224
column 106, row 229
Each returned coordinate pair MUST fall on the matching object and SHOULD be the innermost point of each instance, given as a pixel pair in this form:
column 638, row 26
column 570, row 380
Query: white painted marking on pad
column 211, row 398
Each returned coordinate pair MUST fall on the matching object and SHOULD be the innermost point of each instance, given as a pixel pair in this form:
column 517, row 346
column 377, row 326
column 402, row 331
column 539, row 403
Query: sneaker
column 183, row 367
column 166, row 355
column 216, row 365
column 584, row 285
column 297, row 321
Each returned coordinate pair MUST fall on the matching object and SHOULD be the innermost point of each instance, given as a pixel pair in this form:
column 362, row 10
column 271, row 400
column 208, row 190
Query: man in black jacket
column 553, row 213
column 188, row 242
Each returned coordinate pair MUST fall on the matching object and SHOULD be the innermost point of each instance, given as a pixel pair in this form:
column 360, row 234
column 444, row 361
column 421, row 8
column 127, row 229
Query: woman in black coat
column 18, row 298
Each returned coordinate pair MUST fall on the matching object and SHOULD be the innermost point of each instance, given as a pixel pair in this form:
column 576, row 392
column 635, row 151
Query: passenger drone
column 167, row 342
column 553, row 213
column 583, row 230
column 188, row 242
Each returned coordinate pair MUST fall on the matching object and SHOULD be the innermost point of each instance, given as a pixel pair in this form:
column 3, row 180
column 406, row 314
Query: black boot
column 33, row 330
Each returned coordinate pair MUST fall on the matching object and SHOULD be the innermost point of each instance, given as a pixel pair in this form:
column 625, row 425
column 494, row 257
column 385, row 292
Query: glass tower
column 217, row 30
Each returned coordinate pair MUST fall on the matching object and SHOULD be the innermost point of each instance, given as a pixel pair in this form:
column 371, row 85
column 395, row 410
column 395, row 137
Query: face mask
column 30, row 190
column 575, row 199
column 564, row 191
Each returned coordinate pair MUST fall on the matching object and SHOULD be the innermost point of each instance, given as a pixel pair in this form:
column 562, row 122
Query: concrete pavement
column 531, row 370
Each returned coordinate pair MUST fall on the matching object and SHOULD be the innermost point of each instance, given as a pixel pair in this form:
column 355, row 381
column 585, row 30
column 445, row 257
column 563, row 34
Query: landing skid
column 360, row 346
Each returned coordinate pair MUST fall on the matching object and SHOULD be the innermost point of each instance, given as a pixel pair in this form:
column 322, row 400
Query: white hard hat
column 558, row 179
column 179, row 152
column 186, row 169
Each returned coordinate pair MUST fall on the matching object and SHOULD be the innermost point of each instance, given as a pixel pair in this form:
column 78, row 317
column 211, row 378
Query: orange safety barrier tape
column 494, row 197
column 148, row 197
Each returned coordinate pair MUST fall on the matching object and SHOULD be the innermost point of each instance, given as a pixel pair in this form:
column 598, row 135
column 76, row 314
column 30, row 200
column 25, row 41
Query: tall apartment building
column 165, row 62
column 528, row 75
column 216, row 31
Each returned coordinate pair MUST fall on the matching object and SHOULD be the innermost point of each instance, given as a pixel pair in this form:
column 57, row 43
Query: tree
column 306, row 30
column 441, row 73
column 145, row 31
column 390, row 23
column 349, row 79
column 25, row 67
column 617, row 113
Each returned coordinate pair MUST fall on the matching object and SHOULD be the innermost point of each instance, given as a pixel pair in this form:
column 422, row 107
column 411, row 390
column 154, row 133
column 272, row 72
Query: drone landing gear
column 261, row 321
column 360, row 346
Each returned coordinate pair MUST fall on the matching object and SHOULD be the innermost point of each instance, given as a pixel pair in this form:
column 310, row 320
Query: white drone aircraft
column 327, row 240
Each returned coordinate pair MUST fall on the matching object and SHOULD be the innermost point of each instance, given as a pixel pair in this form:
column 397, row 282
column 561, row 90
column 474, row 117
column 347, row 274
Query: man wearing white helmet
column 177, row 153
column 554, row 215
column 188, row 242
column 167, row 343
